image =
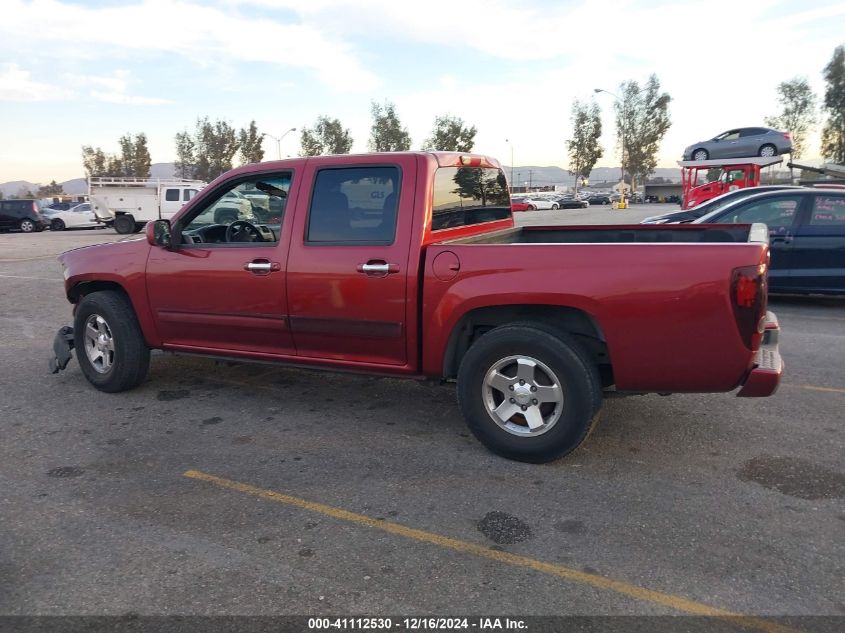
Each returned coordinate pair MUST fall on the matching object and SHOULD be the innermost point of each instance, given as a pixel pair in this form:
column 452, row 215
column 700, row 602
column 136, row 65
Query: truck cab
column 737, row 173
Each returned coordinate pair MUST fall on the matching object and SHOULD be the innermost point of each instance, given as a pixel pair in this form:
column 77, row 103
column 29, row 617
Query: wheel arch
column 566, row 319
column 79, row 290
column 87, row 286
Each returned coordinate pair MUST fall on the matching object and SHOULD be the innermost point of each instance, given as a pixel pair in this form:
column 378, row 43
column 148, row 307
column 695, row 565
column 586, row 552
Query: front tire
column 555, row 207
column 700, row 154
column 124, row 224
column 529, row 392
column 109, row 344
column 768, row 151
column 57, row 225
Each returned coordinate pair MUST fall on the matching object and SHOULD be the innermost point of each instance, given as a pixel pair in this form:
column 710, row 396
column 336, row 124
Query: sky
column 85, row 72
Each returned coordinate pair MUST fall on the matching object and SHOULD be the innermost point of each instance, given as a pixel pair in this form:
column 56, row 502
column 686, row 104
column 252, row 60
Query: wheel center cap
column 522, row 394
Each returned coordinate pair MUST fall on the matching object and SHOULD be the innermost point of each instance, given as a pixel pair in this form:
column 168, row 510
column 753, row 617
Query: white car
column 79, row 217
column 541, row 203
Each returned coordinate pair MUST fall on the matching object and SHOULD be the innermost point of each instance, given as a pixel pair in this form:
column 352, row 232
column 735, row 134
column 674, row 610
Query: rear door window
column 355, row 205
column 171, row 195
column 826, row 216
column 469, row 195
column 777, row 213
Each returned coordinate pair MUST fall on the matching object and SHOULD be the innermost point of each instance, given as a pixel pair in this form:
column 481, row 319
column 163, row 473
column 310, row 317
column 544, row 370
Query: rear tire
column 109, row 344
column 124, row 224
column 555, row 207
column 768, row 150
column 57, row 225
column 26, row 225
column 546, row 358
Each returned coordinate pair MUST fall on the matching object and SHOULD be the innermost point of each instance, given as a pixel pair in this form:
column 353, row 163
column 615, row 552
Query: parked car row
column 31, row 216
column 554, row 202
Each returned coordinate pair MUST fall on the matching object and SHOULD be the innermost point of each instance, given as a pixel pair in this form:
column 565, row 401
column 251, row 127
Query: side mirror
column 158, row 233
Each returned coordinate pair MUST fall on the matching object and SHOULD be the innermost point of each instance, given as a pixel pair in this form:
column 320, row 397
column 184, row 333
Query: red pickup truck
column 409, row 264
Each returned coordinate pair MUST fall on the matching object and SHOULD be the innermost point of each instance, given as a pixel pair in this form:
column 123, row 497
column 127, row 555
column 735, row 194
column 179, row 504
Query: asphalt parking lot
column 217, row 489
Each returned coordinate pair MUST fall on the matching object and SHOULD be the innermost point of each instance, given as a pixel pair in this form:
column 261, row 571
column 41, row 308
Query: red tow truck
column 408, row 264
column 736, row 173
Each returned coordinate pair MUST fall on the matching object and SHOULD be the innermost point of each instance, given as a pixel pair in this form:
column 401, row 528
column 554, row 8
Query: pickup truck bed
column 615, row 234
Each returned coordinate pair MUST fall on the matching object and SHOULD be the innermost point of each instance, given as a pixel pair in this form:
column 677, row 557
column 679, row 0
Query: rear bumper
column 764, row 378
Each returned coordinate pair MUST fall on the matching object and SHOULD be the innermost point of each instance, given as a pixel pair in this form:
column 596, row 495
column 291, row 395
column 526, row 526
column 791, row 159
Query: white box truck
column 129, row 203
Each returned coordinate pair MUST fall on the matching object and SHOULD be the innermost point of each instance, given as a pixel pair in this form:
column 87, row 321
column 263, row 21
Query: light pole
column 622, row 166
column 279, row 140
column 511, row 144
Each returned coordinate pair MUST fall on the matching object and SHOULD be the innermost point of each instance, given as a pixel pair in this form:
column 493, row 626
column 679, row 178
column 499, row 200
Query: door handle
column 377, row 268
column 784, row 239
column 262, row 266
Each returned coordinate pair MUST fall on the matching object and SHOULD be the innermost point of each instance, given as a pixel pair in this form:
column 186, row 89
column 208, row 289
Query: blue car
column 743, row 142
column 806, row 237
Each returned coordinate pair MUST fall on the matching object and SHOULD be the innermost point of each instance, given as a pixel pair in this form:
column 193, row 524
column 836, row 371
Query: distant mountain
column 11, row 188
column 77, row 186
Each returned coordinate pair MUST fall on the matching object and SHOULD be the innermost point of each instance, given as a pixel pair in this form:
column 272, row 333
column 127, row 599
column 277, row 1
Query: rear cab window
column 464, row 196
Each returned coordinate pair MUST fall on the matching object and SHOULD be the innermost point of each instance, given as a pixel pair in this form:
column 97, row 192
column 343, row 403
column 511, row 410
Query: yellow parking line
column 815, row 388
column 567, row 573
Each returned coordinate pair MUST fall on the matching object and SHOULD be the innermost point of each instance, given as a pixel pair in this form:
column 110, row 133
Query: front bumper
column 62, row 346
column 764, row 378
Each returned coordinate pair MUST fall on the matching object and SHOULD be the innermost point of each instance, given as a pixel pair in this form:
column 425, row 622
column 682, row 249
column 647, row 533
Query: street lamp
column 511, row 144
column 279, row 140
column 622, row 166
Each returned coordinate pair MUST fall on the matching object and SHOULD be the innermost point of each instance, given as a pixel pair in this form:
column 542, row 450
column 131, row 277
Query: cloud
column 535, row 30
column 113, row 88
column 17, row 85
column 205, row 34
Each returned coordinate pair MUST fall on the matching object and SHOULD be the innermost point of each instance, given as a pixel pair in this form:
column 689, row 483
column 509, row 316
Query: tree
column 798, row 112
column 328, row 136
column 250, row 141
column 185, row 165
column 215, row 146
column 387, row 133
column 583, row 148
column 642, row 120
column 93, row 161
column 450, row 135
column 133, row 160
column 833, row 133
column 53, row 189
column 481, row 185
column 23, row 192
column 141, row 152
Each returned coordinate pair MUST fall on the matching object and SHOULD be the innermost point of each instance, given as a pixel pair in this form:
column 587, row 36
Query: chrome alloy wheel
column 767, row 151
column 99, row 343
column 523, row 396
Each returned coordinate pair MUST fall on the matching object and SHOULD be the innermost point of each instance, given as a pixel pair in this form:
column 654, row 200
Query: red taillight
column 787, row 136
column 749, row 298
column 745, row 291
column 35, row 207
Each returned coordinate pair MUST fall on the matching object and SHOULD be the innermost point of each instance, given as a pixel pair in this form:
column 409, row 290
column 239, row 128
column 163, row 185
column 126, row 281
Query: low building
column 663, row 192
